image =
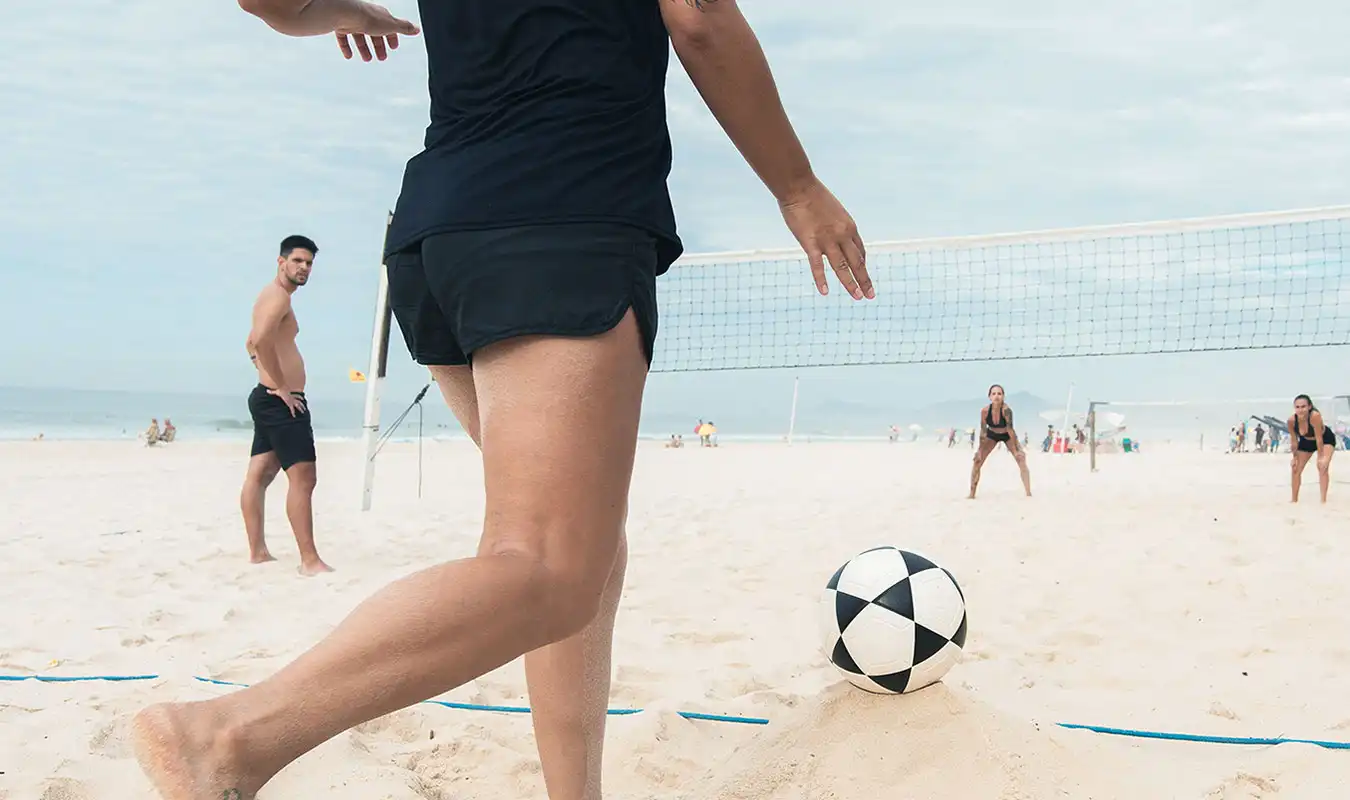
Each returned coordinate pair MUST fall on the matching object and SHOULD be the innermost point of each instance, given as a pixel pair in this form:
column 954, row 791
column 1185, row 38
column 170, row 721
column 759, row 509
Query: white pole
column 1064, row 432
column 379, row 353
column 792, row 420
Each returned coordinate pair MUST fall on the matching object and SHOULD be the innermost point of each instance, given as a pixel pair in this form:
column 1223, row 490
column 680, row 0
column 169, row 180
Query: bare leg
column 262, row 470
column 559, row 421
column 986, row 447
column 1324, row 468
column 569, row 680
column 569, row 696
column 300, row 482
column 1015, row 448
column 1298, row 462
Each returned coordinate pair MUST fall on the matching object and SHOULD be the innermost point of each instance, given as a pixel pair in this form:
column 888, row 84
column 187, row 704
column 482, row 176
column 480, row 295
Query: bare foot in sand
column 316, row 567
column 184, row 753
column 261, row 558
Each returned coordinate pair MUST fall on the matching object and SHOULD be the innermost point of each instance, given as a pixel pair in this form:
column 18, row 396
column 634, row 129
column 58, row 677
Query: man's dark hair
column 292, row 242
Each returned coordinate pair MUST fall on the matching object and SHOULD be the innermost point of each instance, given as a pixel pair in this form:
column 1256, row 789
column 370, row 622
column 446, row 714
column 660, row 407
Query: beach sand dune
column 1174, row 590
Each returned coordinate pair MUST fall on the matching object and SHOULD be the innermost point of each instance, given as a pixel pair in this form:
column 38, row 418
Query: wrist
column 796, row 188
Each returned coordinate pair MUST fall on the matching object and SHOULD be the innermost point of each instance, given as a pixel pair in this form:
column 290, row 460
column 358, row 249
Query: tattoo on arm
column 231, row 794
column 699, row 4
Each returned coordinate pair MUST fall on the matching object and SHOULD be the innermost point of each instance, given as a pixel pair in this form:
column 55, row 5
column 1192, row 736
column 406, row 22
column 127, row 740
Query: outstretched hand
column 375, row 32
column 825, row 231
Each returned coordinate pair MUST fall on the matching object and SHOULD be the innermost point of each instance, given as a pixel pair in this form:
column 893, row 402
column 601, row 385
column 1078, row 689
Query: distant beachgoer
column 995, row 427
column 1311, row 437
column 283, row 432
column 152, row 433
column 170, row 432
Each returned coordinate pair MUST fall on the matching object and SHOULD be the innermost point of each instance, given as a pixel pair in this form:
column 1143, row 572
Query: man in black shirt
column 522, row 264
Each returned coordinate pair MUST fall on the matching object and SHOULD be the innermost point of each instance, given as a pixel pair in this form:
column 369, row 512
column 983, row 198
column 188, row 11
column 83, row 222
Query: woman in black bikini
column 996, row 425
column 1310, row 437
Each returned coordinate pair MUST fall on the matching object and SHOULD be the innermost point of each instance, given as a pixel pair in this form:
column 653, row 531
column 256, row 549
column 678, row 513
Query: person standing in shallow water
column 522, row 262
column 995, row 428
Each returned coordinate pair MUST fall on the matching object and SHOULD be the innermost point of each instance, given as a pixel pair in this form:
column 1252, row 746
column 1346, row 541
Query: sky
column 157, row 151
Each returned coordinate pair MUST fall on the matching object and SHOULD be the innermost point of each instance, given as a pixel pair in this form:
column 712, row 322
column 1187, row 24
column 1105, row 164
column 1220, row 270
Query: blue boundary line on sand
column 614, row 712
column 693, row 715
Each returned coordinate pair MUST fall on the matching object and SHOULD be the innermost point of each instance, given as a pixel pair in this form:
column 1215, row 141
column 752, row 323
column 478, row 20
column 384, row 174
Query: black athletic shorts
column 463, row 290
column 275, row 430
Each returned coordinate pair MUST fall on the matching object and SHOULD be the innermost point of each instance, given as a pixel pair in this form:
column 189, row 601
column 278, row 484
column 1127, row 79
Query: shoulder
column 272, row 297
column 1315, row 415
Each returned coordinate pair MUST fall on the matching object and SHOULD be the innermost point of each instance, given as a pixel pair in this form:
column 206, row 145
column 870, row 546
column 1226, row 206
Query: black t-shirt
column 542, row 111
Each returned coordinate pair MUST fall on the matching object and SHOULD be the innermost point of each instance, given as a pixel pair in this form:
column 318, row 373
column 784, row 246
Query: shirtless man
column 283, row 436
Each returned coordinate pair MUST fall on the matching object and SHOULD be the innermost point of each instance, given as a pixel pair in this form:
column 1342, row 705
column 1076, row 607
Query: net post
column 1092, row 435
column 379, row 362
column 792, row 419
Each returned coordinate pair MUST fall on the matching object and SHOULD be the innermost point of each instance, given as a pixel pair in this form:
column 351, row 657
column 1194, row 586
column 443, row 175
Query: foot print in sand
column 1244, row 786
column 697, row 637
column 1222, row 711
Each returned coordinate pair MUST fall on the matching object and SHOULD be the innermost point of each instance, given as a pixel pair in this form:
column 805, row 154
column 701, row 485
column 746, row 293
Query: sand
column 1173, row 590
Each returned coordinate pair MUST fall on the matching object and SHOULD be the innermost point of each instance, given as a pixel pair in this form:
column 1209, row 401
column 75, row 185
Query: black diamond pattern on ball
column 841, row 658
column 917, row 563
column 896, row 682
column 847, row 608
column 834, row 579
column 927, row 643
column 899, row 599
column 959, row 638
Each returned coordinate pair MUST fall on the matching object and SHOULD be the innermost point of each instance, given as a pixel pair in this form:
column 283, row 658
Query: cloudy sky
column 157, row 150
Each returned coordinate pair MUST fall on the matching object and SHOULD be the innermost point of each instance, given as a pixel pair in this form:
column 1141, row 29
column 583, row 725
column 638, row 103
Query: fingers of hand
column 843, row 270
column 857, row 262
column 345, row 45
column 363, row 46
column 817, row 262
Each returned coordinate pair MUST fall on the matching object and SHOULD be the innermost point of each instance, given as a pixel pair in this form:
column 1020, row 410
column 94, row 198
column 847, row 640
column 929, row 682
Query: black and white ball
column 892, row 621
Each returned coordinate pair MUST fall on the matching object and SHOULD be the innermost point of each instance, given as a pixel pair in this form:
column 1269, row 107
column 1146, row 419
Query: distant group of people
column 156, row 435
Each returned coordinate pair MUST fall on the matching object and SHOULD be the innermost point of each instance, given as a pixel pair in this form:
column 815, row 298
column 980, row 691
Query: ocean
column 743, row 409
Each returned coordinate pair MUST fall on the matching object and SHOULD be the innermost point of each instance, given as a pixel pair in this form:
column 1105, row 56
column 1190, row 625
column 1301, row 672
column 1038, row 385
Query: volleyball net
column 1226, row 283
column 1241, row 282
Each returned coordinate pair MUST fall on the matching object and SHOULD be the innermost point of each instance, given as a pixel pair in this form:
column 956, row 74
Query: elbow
column 691, row 37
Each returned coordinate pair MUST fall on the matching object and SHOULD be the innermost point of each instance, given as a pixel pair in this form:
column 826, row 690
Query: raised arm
column 728, row 68
column 343, row 17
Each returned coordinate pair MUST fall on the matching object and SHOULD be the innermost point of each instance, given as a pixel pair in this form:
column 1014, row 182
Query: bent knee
column 303, row 475
column 565, row 591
